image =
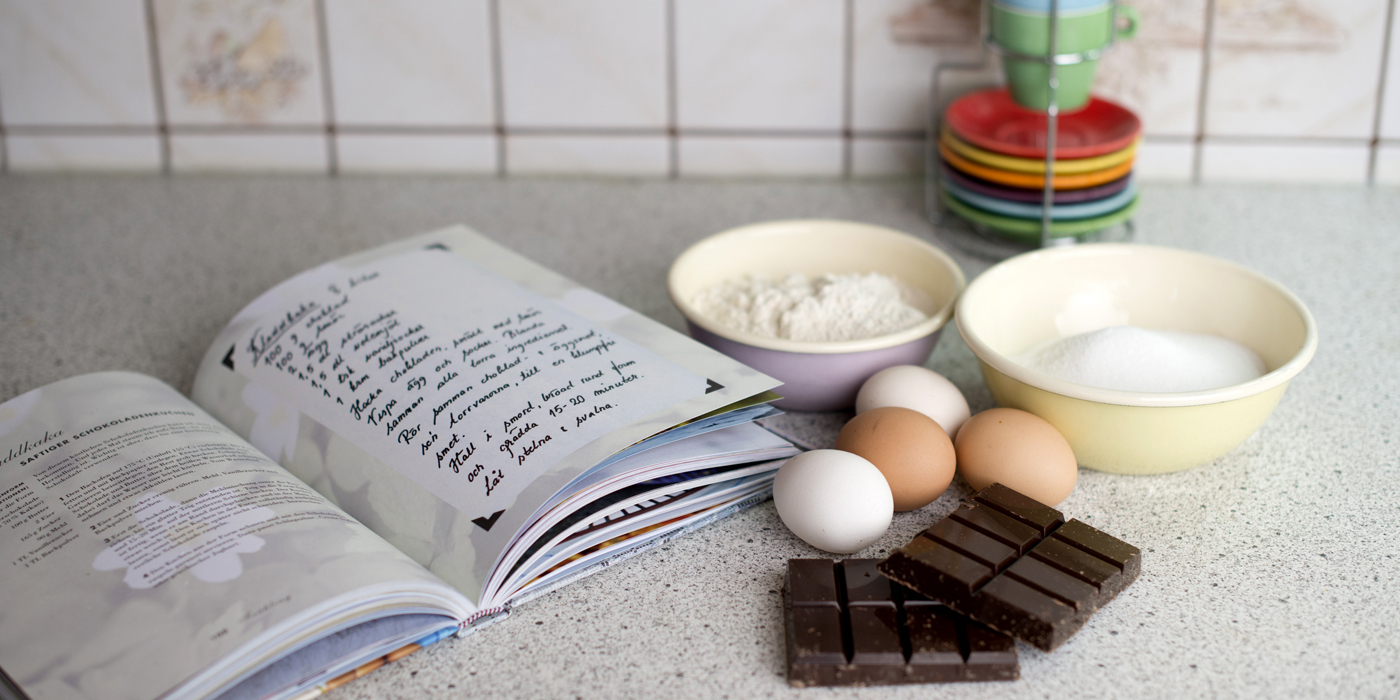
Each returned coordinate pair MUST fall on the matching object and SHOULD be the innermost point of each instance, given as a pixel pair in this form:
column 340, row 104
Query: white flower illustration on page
column 274, row 430
column 201, row 536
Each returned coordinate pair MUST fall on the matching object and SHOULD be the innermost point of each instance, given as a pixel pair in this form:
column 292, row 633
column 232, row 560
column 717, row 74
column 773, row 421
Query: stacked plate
column 993, row 166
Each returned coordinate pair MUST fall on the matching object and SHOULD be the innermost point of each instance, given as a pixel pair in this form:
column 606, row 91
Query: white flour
column 1128, row 358
column 826, row 308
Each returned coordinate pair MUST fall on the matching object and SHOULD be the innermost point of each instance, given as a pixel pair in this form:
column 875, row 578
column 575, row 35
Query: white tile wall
column 421, row 152
column 1164, row 160
column 887, row 157
column 594, row 63
column 760, row 64
column 1388, row 165
column 244, row 63
column 1390, row 106
column 426, row 62
column 75, row 62
column 897, row 43
column 1306, row 68
column 1293, row 89
column 710, row 156
column 612, row 155
column 255, row 153
column 57, row 152
column 1273, row 162
column 1158, row 73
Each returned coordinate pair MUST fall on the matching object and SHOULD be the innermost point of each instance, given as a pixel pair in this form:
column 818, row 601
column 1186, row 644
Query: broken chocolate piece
column 1014, row 564
column 849, row 626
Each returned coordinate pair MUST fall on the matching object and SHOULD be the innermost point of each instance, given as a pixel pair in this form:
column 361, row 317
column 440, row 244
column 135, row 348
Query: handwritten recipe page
column 452, row 375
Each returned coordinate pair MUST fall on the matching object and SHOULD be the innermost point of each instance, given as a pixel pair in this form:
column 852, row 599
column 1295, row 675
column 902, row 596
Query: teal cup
column 1028, row 33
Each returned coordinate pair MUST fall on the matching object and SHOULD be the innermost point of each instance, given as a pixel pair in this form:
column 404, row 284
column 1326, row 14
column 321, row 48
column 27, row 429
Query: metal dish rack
column 974, row 237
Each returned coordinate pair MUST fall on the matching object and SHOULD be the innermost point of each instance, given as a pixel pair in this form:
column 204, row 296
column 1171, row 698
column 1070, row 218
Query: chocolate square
column 1013, row 564
column 848, row 625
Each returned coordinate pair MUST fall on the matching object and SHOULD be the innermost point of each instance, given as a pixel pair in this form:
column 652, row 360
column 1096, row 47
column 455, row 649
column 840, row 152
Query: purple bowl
column 813, row 382
column 818, row 376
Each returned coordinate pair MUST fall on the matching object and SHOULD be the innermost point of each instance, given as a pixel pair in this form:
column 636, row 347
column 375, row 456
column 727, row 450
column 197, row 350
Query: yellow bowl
column 1055, row 293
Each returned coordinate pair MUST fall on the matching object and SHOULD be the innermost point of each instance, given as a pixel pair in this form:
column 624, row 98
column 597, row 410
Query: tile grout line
column 158, row 88
column 415, row 129
column 80, row 129
column 1268, row 139
column 1374, row 156
column 848, row 50
column 728, row 132
column 1203, row 95
column 4, row 143
column 327, row 90
column 673, row 141
column 498, row 89
column 622, row 132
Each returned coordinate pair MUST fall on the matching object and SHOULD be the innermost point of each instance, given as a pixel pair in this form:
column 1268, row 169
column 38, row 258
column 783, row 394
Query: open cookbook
column 377, row 454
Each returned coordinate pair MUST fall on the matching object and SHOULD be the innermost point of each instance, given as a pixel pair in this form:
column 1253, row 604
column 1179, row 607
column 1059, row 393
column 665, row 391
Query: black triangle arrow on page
column 228, row 359
column 486, row 523
column 714, row 386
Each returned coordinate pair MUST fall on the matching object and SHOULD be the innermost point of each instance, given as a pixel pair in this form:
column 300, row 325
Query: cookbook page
column 141, row 541
column 441, row 389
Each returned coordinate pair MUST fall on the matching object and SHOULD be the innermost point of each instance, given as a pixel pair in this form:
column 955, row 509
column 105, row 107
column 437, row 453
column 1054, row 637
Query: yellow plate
column 1076, row 181
column 1033, row 165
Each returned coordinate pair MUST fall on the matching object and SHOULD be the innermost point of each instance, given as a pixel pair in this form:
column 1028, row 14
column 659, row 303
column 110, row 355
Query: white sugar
column 821, row 309
column 1128, row 358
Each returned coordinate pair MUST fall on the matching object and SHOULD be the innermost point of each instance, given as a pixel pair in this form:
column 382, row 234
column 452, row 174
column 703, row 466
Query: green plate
column 1028, row 230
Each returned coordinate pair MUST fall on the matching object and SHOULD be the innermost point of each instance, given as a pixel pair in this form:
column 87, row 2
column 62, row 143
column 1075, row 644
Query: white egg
column 917, row 388
column 835, row 501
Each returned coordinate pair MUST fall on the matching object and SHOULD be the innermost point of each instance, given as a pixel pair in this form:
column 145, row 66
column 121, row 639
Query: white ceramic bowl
column 817, row 376
column 1059, row 292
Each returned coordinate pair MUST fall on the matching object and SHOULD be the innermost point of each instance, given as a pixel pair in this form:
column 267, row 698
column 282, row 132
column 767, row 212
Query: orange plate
column 1034, row 180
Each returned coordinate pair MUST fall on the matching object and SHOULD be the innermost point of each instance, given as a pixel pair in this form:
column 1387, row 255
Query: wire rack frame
column 975, row 237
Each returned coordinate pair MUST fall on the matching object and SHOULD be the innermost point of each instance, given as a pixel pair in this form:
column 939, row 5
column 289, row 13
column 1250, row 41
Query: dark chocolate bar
column 848, row 625
column 1013, row 564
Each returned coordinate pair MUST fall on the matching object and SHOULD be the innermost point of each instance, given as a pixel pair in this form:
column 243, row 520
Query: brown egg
column 908, row 447
column 1019, row 450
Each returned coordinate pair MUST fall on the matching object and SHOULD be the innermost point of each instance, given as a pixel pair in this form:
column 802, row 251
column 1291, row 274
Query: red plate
column 991, row 120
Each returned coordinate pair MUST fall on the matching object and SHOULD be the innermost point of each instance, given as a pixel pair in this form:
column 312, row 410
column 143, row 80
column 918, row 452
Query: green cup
column 1028, row 33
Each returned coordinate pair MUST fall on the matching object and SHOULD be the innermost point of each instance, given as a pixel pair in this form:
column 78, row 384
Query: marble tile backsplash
column 1228, row 90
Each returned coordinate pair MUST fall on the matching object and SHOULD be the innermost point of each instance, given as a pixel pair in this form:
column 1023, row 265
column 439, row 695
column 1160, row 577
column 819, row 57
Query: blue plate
column 1063, row 212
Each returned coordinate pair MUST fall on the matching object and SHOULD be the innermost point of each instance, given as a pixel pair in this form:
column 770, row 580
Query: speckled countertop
column 1273, row 572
